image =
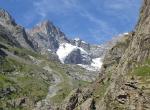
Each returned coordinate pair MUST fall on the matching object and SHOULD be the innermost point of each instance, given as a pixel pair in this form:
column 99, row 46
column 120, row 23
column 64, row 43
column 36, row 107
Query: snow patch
column 65, row 49
column 77, row 39
column 126, row 33
column 88, row 67
column 97, row 62
column 84, row 42
column 123, row 34
column 95, row 65
column 49, row 50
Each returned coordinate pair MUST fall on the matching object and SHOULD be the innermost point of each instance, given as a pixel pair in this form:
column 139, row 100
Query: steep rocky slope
column 17, row 31
column 47, row 36
column 125, row 75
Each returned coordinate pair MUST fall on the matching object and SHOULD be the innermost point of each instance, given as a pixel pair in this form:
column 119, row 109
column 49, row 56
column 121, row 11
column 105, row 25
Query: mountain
column 124, row 79
column 50, row 39
column 47, row 38
column 42, row 69
column 32, row 74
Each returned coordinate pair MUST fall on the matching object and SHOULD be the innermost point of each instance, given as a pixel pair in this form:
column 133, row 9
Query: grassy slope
column 67, row 85
column 26, row 79
column 142, row 74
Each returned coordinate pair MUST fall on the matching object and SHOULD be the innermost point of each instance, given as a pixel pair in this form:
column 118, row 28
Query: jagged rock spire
column 5, row 17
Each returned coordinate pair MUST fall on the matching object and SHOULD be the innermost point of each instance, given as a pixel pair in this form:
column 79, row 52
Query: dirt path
column 57, row 80
column 45, row 104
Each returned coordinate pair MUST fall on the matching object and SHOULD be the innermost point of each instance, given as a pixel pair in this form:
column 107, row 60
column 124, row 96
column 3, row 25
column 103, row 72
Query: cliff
column 124, row 79
column 129, row 85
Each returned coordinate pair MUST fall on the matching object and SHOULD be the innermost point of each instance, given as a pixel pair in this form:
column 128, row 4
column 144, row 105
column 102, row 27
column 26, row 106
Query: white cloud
column 44, row 7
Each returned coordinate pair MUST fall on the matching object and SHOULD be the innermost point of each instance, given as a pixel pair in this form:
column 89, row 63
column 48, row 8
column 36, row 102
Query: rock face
column 80, row 43
column 74, row 57
column 125, row 71
column 6, row 18
column 136, row 52
column 47, row 36
column 15, row 30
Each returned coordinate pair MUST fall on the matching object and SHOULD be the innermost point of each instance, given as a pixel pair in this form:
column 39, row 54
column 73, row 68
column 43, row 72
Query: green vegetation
column 18, row 72
column 33, row 87
column 100, row 90
column 22, row 52
column 61, row 95
column 142, row 74
column 80, row 83
column 3, row 40
column 67, row 85
column 142, row 71
column 8, row 65
column 101, row 87
column 5, row 81
column 24, row 78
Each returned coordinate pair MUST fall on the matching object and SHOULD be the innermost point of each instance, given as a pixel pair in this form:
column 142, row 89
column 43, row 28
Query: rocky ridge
column 124, row 80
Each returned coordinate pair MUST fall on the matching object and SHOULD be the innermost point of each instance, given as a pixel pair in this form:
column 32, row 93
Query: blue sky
column 94, row 21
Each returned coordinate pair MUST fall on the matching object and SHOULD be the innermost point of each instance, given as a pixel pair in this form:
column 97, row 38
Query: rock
column 47, row 36
column 15, row 30
column 7, row 36
column 74, row 57
column 88, row 105
column 71, row 101
column 7, row 91
column 5, row 17
column 20, row 102
column 2, row 53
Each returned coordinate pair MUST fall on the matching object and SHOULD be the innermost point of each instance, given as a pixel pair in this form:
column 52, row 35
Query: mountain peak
column 45, row 23
column 5, row 17
column 42, row 27
column 45, row 27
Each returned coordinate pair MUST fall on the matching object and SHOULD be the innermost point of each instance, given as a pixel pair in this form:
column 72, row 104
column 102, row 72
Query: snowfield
column 95, row 65
column 97, row 62
column 65, row 49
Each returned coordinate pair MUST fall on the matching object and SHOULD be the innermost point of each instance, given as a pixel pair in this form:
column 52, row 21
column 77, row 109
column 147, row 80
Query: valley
column 43, row 69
